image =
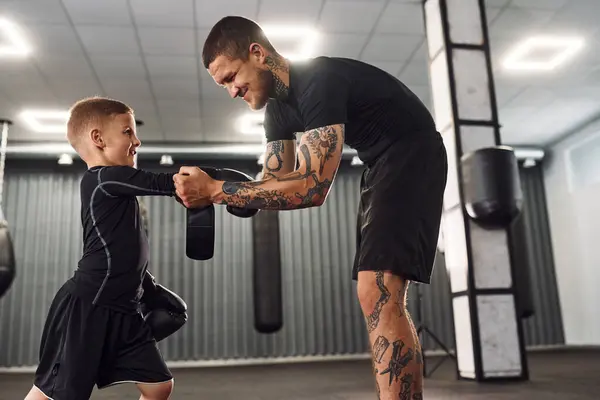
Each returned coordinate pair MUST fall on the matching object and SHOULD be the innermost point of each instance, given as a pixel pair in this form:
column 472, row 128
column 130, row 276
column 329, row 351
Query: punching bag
column 268, row 307
column 521, row 269
column 491, row 186
column 7, row 254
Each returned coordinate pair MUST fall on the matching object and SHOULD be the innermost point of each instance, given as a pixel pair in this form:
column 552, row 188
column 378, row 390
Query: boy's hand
column 194, row 187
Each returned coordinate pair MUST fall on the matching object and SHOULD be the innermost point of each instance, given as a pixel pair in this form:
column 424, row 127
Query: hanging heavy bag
column 266, row 273
column 7, row 258
column 7, row 254
column 491, row 186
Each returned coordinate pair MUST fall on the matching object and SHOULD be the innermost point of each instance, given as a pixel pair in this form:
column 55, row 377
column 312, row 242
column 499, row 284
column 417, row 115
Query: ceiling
column 146, row 53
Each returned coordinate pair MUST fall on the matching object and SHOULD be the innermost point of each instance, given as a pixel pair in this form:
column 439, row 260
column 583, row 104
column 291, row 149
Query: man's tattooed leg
column 401, row 299
column 379, row 348
column 396, row 352
column 373, row 318
column 398, row 361
column 406, row 387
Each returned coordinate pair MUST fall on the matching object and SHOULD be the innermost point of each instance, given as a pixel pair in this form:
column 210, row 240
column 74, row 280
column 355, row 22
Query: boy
column 94, row 333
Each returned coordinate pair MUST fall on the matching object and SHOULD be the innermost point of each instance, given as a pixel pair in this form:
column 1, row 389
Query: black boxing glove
column 163, row 310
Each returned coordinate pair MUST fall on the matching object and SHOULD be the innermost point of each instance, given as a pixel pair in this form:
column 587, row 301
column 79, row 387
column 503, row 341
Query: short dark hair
column 232, row 37
column 92, row 110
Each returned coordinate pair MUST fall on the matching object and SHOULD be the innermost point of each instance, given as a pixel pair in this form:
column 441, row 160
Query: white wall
column 572, row 180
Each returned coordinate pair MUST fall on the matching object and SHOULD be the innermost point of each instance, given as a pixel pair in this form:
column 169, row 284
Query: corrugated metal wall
column 43, row 212
column 321, row 313
column 545, row 326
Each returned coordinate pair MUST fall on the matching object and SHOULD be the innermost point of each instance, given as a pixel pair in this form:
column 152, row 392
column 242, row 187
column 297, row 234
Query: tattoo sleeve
column 320, row 152
column 280, row 159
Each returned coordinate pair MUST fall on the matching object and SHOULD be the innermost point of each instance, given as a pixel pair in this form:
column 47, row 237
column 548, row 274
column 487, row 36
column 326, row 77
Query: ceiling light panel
column 556, row 50
column 12, row 40
column 46, row 121
column 303, row 39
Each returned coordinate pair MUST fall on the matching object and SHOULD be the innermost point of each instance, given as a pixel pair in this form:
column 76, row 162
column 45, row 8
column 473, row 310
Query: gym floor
column 558, row 374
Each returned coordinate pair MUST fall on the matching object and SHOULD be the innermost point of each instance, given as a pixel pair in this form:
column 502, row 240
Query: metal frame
column 472, row 292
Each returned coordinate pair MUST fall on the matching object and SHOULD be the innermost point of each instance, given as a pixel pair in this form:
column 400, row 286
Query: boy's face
column 120, row 140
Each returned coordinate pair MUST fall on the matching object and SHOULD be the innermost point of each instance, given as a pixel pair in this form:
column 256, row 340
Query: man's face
column 249, row 79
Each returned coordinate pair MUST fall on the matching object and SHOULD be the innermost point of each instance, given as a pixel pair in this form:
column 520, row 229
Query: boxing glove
column 163, row 310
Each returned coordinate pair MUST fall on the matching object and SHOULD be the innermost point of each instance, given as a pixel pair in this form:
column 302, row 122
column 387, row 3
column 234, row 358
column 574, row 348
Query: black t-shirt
column 376, row 108
column 115, row 246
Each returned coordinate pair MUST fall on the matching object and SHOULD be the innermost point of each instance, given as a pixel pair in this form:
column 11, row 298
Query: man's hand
column 194, row 187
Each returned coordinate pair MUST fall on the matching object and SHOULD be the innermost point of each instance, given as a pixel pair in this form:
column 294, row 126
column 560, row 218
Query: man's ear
column 97, row 139
column 257, row 52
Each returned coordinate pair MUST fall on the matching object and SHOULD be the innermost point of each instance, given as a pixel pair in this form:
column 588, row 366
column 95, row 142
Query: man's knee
column 376, row 289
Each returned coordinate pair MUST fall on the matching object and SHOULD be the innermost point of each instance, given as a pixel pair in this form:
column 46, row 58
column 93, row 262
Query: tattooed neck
column 280, row 74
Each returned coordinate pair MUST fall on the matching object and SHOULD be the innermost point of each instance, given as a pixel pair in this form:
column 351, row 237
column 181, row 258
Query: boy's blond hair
column 92, row 110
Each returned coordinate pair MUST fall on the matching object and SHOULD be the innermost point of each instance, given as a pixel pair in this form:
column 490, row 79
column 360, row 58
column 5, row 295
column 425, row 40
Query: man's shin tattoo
column 401, row 300
column 379, row 348
column 384, row 297
column 406, row 387
column 398, row 361
column 419, row 356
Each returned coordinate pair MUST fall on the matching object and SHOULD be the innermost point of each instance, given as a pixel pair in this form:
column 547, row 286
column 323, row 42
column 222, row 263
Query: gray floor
column 572, row 374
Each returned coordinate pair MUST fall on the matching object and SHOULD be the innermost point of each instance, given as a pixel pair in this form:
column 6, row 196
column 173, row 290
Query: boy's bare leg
column 396, row 351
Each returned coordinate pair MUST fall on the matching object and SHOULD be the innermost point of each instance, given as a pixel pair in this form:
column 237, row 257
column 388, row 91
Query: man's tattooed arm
column 279, row 158
column 320, row 152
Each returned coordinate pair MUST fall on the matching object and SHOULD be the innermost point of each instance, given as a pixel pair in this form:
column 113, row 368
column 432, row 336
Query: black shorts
column 85, row 345
column 400, row 208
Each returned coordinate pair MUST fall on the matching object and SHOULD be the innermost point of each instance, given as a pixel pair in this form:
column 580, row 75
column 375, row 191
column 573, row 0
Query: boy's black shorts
column 83, row 345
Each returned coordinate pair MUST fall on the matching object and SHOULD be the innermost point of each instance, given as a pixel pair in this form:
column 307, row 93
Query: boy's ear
column 97, row 139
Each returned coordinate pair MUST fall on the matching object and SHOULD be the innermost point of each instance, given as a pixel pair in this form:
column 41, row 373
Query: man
column 335, row 101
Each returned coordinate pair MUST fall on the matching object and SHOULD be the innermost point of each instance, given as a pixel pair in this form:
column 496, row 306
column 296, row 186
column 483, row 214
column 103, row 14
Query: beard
column 272, row 85
column 261, row 96
column 278, row 89
column 269, row 87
